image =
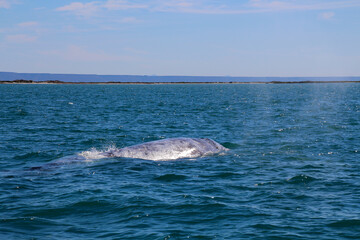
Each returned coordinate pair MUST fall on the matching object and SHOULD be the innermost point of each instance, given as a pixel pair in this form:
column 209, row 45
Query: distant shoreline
column 69, row 78
column 57, row 82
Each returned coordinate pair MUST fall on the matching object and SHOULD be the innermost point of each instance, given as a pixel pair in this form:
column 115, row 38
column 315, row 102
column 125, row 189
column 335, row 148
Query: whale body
column 169, row 149
column 160, row 150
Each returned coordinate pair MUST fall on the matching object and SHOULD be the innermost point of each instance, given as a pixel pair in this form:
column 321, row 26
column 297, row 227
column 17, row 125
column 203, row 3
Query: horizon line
column 175, row 75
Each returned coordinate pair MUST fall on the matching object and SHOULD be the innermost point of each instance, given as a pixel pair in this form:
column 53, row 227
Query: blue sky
column 181, row 37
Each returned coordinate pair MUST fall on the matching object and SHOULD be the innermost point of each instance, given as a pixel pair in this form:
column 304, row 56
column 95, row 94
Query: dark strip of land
column 162, row 79
column 22, row 81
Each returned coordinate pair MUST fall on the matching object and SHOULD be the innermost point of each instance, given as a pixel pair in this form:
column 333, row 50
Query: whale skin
column 170, row 149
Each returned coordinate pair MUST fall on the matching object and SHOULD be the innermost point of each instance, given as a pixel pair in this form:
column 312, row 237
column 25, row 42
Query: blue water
column 292, row 172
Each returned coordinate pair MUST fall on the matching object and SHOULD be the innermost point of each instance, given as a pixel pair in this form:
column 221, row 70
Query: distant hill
column 10, row 76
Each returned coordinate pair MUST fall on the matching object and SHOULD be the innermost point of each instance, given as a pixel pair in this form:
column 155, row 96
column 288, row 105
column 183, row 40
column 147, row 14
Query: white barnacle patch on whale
column 169, row 149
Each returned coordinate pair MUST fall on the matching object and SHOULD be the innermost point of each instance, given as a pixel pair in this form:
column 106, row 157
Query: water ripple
column 292, row 171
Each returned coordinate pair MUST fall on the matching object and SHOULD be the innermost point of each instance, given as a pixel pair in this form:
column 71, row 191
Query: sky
column 256, row 38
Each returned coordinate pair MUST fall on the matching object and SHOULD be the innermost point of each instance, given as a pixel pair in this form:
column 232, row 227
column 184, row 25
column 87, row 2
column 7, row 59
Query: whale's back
column 166, row 149
column 172, row 148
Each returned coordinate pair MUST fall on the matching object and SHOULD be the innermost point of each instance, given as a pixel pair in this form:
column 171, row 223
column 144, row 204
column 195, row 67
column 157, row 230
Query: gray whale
column 160, row 150
column 169, row 149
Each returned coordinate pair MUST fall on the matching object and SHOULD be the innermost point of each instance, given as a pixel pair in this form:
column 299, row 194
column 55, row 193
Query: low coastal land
column 56, row 78
column 22, row 81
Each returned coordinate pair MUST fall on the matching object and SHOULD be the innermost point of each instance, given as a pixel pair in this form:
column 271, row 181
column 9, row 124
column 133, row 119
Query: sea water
column 292, row 171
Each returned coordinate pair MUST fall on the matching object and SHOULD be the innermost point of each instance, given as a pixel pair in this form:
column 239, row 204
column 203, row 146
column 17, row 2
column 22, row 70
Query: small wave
column 264, row 226
column 170, row 177
column 19, row 112
column 346, row 223
column 310, row 166
column 136, row 168
column 31, row 221
column 91, row 203
column 72, row 208
column 221, row 175
column 38, row 154
column 231, row 145
column 301, row 179
column 93, row 141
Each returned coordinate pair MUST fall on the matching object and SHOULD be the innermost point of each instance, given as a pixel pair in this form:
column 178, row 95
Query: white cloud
column 77, row 53
column 252, row 6
column 189, row 6
column 129, row 20
column 91, row 8
column 178, row 4
column 269, row 5
column 122, row 5
column 4, row 4
column 20, row 38
column 81, row 9
column 327, row 15
column 206, row 7
column 8, row 3
column 28, row 24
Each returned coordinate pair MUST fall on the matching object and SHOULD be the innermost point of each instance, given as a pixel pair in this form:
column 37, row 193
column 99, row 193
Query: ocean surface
column 292, row 171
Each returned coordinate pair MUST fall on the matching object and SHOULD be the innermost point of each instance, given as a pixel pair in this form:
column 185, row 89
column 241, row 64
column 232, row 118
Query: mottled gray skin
column 170, row 149
column 166, row 149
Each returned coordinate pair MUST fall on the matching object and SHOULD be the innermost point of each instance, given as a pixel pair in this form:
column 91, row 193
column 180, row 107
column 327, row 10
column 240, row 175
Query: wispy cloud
column 4, row 4
column 206, row 7
column 273, row 5
column 7, row 3
column 129, row 20
column 188, row 6
column 122, row 5
column 20, row 38
column 177, row 5
column 81, row 9
column 28, row 24
column 326, row 15
column 268, row 5
column 91, row 8
column 261, row 6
